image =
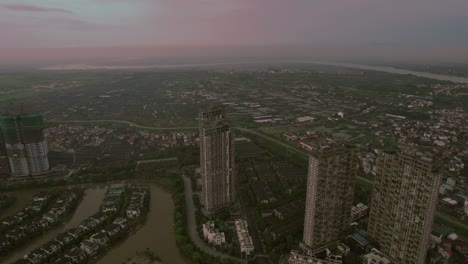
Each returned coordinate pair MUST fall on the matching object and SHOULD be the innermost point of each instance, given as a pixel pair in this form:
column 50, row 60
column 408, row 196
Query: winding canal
column 157, row 234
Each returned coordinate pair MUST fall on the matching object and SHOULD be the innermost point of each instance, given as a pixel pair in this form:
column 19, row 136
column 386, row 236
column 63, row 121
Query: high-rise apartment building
column 403, row 205
column 216, row 160
column 4, row 166
column 24, row 143
column 330, row 191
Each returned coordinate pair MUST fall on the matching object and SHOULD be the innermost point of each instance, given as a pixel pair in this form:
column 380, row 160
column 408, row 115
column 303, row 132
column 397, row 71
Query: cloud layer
column 32, row 8
column 393, row 26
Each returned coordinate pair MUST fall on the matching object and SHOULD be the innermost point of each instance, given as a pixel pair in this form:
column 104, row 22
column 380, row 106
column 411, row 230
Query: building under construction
column 216, row 160
column 24, row 145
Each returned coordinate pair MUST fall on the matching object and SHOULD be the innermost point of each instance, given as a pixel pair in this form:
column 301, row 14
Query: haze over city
column 233, row 131
column 153, row 31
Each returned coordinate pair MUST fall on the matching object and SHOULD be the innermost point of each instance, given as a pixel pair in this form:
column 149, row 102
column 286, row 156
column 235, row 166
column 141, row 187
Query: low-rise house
column 290, row 136
column 243, row 237
column 41, row 197
column 436, row 237
column 77, row 232
column 65, row 239
column 76, row 255
column 32, row 228
column 297, row 258
column 9, row 221
column 133, row 212
column 122, row 222
column 4, row 243
column 52, row 218
column 307, row 145
column 375, row 257
column 89, row 224
column 21, row 216
column 63, row 261
column 36, row 256
column 213, row 235
column 51, row 248
column 113, row 231
column 110, row 208
column 90, row 246
column 101, row 238
column 15, row 235
column 99, row 218
column 44, row 224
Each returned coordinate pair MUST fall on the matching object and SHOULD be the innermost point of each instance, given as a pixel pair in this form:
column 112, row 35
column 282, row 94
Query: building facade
column 25, row 144
column 216, row 160
column 244, row 239
column 375, row 257
column 330, row 191
column 403, row 205
column 4, row 163
column 212, row 234
column 297, row 258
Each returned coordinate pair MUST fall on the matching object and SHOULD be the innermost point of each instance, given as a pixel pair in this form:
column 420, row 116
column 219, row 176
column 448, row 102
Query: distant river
column 157, row 234
column 434, row 76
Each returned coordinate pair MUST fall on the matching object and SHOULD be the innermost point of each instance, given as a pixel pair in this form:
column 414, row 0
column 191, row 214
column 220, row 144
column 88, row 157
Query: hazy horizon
column 50, row 32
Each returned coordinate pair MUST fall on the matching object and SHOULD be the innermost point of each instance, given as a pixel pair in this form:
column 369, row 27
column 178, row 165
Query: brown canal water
column 157, row 233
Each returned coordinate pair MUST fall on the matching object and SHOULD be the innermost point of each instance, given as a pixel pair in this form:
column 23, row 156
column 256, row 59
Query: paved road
column 192, row 226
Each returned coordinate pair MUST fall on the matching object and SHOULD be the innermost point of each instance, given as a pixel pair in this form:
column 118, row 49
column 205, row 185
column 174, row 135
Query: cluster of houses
column 138, row 198
column 447, row 246
column 30, row 222
column 93, row 235
column 74, row 136
column 70, row 247
column 36, row 206
column 246, row 245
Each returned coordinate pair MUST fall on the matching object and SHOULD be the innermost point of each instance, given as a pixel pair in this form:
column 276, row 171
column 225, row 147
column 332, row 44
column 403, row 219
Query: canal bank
column 156, row 234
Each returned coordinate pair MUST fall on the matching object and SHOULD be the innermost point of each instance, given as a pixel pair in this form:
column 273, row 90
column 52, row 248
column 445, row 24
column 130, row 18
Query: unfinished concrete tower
column 25, row 145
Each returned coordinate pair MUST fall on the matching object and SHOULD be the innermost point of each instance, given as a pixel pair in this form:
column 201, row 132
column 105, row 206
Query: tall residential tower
column 216, row 160
column 403, row 205
column 330, row 191
column 25, row 145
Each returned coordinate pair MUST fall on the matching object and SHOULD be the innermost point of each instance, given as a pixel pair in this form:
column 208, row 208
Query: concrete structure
column 25, row 145
column 358, row 211
column 245, row 240
column 216, row 160
column 375, row 257
column 213, row 235
column 330, row 191
column 296, row 258
column 403, row 205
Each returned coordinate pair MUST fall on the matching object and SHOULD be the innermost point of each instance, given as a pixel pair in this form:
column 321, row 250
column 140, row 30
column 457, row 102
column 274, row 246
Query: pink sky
column 45, row 30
